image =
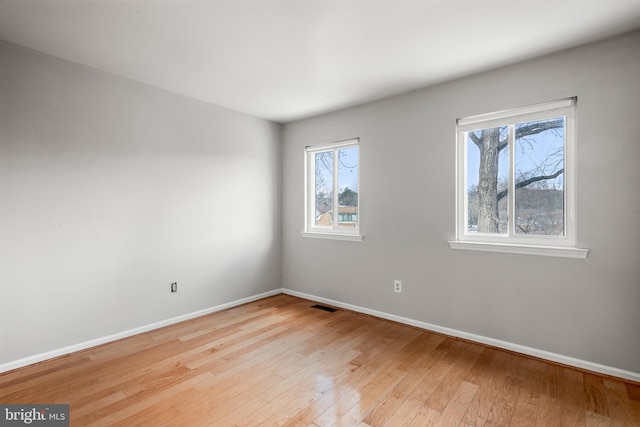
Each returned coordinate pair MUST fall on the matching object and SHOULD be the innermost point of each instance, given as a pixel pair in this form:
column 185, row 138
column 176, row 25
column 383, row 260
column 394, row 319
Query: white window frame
column 333, row 232
column 510, row 242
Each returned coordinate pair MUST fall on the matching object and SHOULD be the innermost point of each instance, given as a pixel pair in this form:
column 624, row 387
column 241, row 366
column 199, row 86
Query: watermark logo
column 35, row 415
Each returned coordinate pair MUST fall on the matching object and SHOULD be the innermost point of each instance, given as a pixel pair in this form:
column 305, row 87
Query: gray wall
column 110, row 190
column 586, row 309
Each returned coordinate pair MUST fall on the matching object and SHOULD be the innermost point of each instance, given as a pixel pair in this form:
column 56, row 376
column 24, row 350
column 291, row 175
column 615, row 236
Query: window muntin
column 332, row 201
column 515, row 176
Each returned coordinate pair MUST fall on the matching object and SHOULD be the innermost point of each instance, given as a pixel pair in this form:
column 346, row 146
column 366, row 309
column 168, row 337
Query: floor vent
column 324, row 308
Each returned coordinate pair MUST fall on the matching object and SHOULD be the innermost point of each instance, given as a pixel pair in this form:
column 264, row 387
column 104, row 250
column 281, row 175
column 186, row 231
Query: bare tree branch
column 502, row 194
column 503, row 144
column 475, row 139
column 537, row 127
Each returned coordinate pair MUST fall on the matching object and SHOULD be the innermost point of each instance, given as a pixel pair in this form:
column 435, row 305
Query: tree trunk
column 488, row 181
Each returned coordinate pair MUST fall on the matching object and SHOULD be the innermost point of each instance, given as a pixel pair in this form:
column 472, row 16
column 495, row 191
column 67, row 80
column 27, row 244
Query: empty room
column 319, row 213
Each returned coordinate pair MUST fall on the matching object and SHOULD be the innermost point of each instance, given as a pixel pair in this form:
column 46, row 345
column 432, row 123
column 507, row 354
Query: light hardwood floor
column 279, row 362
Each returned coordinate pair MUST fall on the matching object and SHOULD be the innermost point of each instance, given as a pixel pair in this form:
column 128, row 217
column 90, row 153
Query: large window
column 516, row 181
column 332, row 191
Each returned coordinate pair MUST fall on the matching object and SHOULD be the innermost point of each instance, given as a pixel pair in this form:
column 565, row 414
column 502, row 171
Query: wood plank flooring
column 279, row 362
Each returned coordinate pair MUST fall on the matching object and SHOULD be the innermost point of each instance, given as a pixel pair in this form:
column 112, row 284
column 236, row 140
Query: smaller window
column 332, row 191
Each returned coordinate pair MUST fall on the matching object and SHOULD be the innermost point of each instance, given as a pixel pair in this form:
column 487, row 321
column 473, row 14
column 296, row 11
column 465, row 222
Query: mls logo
column 37, row 415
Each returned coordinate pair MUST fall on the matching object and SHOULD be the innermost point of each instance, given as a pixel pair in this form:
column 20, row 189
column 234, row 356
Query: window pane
column 539, row 175
column 324, row 188
column 348, row 187
column 487, row 180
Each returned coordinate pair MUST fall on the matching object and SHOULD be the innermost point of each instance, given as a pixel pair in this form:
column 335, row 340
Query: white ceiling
column 287, row 59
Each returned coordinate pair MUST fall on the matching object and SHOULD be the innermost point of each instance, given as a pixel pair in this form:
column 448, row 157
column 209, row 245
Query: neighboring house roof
column 348, row 209
column 326, row 220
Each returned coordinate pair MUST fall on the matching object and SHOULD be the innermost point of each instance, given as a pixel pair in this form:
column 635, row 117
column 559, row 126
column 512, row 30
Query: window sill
column 332, row 236
column 552, row 251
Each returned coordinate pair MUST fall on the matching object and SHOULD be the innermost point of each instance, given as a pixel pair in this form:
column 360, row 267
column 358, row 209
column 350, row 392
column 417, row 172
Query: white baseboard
column 103, row 340
column 542, row 354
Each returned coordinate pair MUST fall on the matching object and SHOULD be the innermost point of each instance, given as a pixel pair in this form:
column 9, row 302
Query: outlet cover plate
column 397, row 286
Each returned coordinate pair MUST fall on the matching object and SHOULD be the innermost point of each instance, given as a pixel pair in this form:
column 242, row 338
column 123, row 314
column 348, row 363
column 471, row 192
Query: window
column 332, row 191
column 516, row 181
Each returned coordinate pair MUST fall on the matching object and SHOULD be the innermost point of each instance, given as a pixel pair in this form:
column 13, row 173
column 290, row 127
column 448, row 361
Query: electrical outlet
column 174, row 287
column 397, row 286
